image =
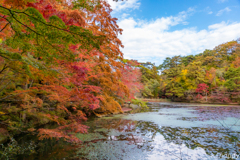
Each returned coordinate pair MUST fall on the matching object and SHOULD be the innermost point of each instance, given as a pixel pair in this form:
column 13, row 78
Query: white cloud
column 218, row 25
column 122, row 5
column 124, row 15
column 210, row 12
column 153, row 41
column 159, row 24
column 227, row 9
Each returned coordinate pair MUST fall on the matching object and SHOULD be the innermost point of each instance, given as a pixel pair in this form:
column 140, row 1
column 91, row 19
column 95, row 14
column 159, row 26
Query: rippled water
column 167, row 131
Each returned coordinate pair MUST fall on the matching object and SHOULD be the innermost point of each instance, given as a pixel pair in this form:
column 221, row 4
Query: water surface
column 167, row 131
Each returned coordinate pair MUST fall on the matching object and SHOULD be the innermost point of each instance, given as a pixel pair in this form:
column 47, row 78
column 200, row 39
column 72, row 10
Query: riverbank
column 200, row 102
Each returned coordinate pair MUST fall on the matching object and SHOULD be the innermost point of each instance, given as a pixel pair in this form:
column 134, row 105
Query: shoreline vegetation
column 189, row 102
column 129, row 106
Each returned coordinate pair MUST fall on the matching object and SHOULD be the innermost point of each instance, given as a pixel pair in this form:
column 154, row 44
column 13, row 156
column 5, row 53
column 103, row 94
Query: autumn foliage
column 60, row 61
column 211, row 76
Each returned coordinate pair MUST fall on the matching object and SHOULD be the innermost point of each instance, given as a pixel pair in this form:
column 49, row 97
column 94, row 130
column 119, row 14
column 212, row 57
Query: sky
column 156, row 29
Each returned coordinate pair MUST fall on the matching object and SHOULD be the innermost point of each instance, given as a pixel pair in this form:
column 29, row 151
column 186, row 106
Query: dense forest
column 60, row 62
column 211, row 76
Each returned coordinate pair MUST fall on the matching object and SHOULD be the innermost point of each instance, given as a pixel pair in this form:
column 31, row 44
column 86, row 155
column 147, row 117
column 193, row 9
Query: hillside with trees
column 211, row 76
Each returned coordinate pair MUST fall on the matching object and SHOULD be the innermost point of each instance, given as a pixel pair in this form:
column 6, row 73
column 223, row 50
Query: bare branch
column 4, row 27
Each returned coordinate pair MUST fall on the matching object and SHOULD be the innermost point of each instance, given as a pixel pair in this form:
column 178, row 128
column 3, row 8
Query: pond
column 167, row 131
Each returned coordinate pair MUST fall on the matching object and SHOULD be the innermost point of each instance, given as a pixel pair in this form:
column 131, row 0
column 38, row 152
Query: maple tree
column 60, row 62
column 40, row 74
column 131, row 77
column 203, row 89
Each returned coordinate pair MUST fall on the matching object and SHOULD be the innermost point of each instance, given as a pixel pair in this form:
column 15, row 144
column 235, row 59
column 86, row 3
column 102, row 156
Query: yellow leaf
column 178, row 79
column 2, row 112
column 184, row 72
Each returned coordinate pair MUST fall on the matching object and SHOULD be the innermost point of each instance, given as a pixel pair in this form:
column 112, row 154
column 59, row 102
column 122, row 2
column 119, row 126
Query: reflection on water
column 168, row 131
